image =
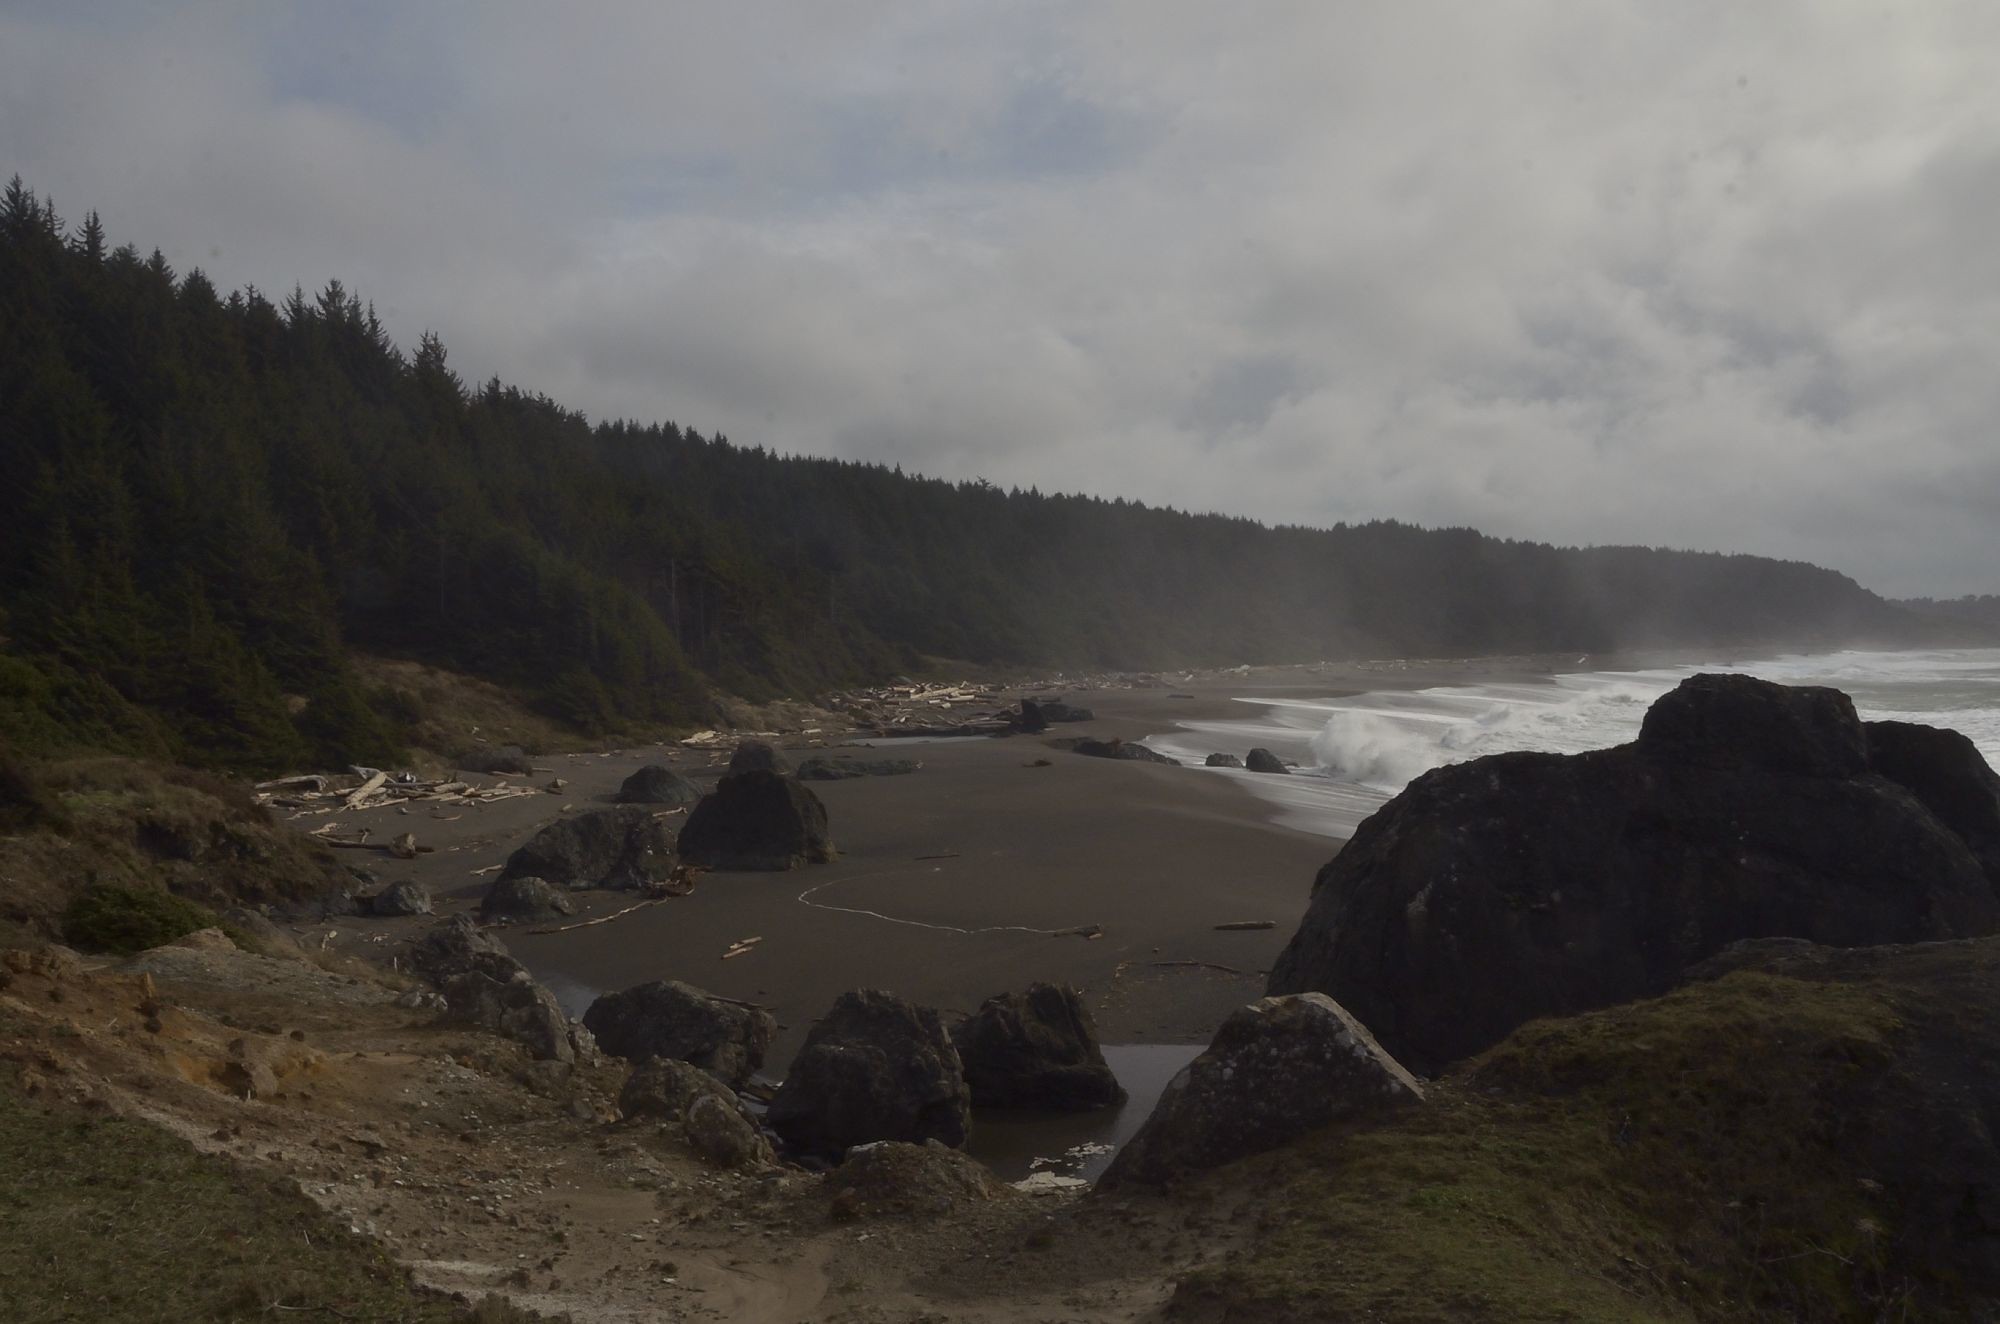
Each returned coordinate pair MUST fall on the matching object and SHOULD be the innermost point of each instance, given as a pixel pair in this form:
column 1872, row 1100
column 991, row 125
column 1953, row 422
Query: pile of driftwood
column 910, row 709
column 318, row 793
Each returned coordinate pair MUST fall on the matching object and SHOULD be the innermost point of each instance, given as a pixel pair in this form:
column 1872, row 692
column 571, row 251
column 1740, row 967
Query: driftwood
column 367, row 788
column 601, row 919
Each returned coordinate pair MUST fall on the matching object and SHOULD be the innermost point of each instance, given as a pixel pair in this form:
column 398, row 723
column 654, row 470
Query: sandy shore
column 951, row 879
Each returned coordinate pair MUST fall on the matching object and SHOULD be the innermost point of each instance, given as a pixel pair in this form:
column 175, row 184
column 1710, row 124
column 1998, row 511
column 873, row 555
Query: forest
column 213, row 500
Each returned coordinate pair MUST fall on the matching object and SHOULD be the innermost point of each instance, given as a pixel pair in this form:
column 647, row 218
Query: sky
column 1709, row 275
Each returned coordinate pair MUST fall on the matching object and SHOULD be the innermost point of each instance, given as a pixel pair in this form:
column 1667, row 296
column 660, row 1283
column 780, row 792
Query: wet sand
column 952, row 879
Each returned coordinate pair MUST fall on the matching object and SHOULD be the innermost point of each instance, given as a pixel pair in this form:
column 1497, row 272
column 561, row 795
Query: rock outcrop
column 1035, row 1049
column 845, row 769
column 1122, row 749
column 711, row 1118
column 757, row 821
column 1949, row 777
column 1277, row 1069
column 1032, row 721
column 621, row 849
column 1524, row 885
column 484, row 985
column 524, row 898
column 757, row 756
column 655, row 784
column 1222, row 761
column 399, row 900
column 875, row 1068
column 1263, row 760
column 1055, row 710
column 669, row 1019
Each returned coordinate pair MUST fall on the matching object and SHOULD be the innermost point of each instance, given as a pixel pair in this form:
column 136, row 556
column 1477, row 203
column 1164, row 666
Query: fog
column 1696, row 275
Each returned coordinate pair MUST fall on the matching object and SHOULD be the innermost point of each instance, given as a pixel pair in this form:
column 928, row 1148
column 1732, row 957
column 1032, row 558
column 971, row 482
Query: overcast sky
column 1709, row 275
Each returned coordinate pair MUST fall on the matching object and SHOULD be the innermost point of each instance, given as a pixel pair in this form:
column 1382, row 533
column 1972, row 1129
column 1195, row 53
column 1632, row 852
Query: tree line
column 211, row 498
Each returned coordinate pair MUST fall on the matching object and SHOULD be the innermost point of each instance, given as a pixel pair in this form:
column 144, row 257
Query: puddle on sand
column 1020, row 1144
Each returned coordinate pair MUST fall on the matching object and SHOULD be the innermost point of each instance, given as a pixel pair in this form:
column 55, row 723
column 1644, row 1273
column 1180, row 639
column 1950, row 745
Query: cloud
column 1698, row 275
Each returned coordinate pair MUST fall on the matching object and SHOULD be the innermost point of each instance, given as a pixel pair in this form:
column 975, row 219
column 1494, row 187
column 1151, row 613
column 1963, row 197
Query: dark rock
column 1121, row 749
column 484, row 985
column 665, row 1088
column 525, row 897
column 1032, row 720
column 507, row 759
column 726, row 1134
column 669, row 1019
column 656, row 785
column 455, row 947
column 1263, row 760
column 889, row 1178
column 842, row 769
column 1055, row 710
column 1222, row 761
column 712, row 1119
column 615, row 848
column 757, row 756
column 1036, row 1049
column 399, row 899
column 1278, row 1068
column 757, row 821
column 875, row 1068
column 1949, row 777
column 1523, row 885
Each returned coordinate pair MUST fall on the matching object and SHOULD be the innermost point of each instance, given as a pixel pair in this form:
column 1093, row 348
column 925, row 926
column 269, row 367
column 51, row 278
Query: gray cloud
column 1712, row 276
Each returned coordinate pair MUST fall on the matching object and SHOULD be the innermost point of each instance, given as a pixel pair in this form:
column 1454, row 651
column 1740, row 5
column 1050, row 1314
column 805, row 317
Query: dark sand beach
column 954, row 882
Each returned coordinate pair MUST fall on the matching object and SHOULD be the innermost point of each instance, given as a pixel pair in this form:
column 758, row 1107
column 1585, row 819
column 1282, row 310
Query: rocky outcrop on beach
column 1055, row 710
column 623, row 848
column 1121, row 749
column 757, row 821
column 399, row 900
column 1277, row 1069
column 874, row 1068
column 1035, row 1049
column 483, row 985
column 1263, row 760
column 1523, row 885
column 711, row 1118
column 524, row 898
column 655, row 784
column 1222, row 761
column 757, row 756
column 1032, row 721
column 845, row 769
column 669, row 1019
column 1949, row 777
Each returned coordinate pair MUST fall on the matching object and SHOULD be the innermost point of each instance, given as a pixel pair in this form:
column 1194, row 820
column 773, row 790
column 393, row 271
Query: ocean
column 1354, row 753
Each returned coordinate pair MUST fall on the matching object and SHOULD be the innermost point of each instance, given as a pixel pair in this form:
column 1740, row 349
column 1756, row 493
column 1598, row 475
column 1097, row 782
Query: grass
column 1689, row 1158
column 117, row 1222
column 123, row 920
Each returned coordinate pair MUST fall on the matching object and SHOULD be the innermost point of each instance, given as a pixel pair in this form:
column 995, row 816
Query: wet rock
column 843, row 769
column 1949, row 777
column 757, row 756
column 1522, row 885
column 1055, row 710
column 1032, row 720
column 619, row 848
column 757, row 821
column 1222, row 761
column 524, row 898
column 1278, row 1068
column 1035, row 1049
column 1122, row 749
column 893, row 1179
column 875, row 1068
column 1263, row 760
column 669, row 1019
column 399, row 900
column 657, row 785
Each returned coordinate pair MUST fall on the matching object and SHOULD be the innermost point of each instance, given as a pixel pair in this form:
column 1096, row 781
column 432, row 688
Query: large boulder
column 1949, row 777
column 657, row 785
column 1035, row 1049
column 399, row 900
column 619, row 848
column 875, row 1068
column 524, row 898
column 1222, row 761
column 845, row 769
column 1277, row 1069
column 1263, row 760
column 757, row 756
column 757, row 820
column 1032, row 720
column 669, row 1019
column 1523, row 885
column 1055, row 710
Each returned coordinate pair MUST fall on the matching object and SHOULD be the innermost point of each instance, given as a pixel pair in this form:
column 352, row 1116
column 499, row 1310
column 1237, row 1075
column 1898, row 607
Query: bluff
column 1524, row 885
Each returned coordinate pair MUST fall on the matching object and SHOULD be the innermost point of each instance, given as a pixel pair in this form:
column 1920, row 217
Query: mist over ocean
column 1354, row 753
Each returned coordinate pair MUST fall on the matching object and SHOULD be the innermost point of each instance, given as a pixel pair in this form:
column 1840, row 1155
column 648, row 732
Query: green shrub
column 124, row 920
